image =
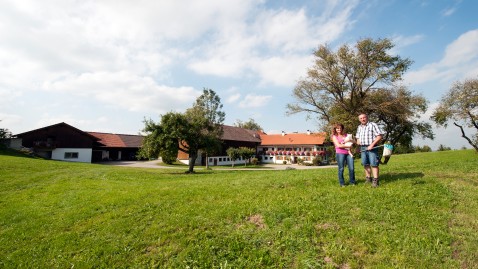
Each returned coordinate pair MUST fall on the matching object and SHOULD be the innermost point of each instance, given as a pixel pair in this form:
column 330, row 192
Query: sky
column 106, row 65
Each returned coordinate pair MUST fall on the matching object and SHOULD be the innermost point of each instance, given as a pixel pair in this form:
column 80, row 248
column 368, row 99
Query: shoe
column 375, row 183
column 368, row 180
column 342, row 186
column 352, row 184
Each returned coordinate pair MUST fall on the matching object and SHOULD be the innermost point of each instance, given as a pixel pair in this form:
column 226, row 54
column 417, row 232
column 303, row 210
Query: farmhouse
column 67, row 143
column 273, row 148
column 293, row 147
column 232, row 137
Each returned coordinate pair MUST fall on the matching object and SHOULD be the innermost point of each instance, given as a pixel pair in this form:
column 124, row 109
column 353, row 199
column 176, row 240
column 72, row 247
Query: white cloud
column 126, row 90
column 233, row 98
column 253, row 100
column 459, row 59
column 279, row 37
column 284, row 30
column 462, row 51
column 64, row 38
column 335, row 19
column 404, row 41
column 282, row 71
column 448, row 12
column 9, row 120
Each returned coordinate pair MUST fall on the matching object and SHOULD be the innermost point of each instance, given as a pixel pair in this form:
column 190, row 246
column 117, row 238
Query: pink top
column 340, row 150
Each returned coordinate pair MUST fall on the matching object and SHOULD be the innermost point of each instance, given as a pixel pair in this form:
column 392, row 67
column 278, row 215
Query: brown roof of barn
column 118, row 140
column 61, row 124
column 239, row 134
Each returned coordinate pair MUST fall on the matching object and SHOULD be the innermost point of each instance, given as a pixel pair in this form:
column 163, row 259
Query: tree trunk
column 192, row 161
column 466, row 137
column 207, row 162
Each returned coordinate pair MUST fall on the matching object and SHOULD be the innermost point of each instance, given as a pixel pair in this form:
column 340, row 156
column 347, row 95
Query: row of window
column 224, row 159
column 284, row 158
column 288, row 149
column 71, row 155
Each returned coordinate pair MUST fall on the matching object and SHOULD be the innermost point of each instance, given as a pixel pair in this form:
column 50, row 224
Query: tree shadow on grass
column 16, row 153
column 415, row 178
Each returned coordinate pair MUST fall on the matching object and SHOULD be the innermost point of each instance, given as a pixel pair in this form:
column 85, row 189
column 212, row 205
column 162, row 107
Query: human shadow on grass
column 416, row 178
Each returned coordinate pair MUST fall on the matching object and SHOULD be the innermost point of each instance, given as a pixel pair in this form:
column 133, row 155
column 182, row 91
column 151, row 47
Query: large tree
column 398, row 111
column 360, row 79
column 199, row 128
column 460, row 105
column 209, row 107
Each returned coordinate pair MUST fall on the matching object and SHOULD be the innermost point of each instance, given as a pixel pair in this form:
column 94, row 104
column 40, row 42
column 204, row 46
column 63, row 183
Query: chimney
column 283, row 133
column 308, row 132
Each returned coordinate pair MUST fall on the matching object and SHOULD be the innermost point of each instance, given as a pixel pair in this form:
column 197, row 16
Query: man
column 368, row 135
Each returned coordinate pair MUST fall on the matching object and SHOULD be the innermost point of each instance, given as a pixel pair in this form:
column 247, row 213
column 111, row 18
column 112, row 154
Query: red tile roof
column 293, row 139
column 118, row 140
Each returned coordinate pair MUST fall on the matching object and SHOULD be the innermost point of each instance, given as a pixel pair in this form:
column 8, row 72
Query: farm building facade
column 67, row 143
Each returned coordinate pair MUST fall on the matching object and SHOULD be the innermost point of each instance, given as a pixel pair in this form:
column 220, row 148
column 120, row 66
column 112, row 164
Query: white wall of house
column 269, row 157
column 186, row 161
column 279, row 159
column 72, row 154
column 224, row 160
column 216, row 161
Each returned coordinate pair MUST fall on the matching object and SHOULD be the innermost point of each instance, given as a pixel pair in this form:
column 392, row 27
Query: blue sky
column 106, row 65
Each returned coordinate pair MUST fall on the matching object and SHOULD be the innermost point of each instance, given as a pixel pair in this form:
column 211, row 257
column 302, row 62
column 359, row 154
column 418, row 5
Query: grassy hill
column 58, row 214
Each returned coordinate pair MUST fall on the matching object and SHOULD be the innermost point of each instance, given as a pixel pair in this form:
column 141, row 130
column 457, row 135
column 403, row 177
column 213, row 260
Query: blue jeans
column 342, row 160
column 369, row 157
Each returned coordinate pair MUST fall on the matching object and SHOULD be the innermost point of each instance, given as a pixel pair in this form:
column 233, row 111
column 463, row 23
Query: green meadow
column 71, row 215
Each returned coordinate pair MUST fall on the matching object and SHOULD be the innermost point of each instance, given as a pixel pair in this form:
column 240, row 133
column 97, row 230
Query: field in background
column 58, row 214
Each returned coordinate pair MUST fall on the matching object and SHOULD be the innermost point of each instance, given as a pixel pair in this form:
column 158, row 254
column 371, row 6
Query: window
column 71, row 155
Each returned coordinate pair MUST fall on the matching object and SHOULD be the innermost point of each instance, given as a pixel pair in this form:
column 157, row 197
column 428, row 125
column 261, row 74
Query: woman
column 342, row 154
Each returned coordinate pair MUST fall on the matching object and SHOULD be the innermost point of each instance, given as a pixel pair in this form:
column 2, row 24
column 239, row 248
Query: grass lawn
column 64, row 215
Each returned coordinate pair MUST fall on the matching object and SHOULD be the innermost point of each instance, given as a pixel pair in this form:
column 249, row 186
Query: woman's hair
column 338, row 125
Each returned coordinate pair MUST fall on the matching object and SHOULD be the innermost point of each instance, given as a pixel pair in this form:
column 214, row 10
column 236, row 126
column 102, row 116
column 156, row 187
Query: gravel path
column 156, row 164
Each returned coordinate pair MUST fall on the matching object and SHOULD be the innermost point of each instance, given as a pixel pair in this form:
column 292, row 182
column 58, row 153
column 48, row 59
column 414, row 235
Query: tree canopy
column 199, row 128
column 361, row 79
column 460, row 105
column 234, row 154
column 5, row 133
column 251, row 124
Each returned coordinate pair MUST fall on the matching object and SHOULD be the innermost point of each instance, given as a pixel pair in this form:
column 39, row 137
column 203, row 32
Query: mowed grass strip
column 58, row 214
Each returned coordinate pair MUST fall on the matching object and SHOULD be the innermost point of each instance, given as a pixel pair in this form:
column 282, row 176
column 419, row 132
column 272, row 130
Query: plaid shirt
column 367, row 133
